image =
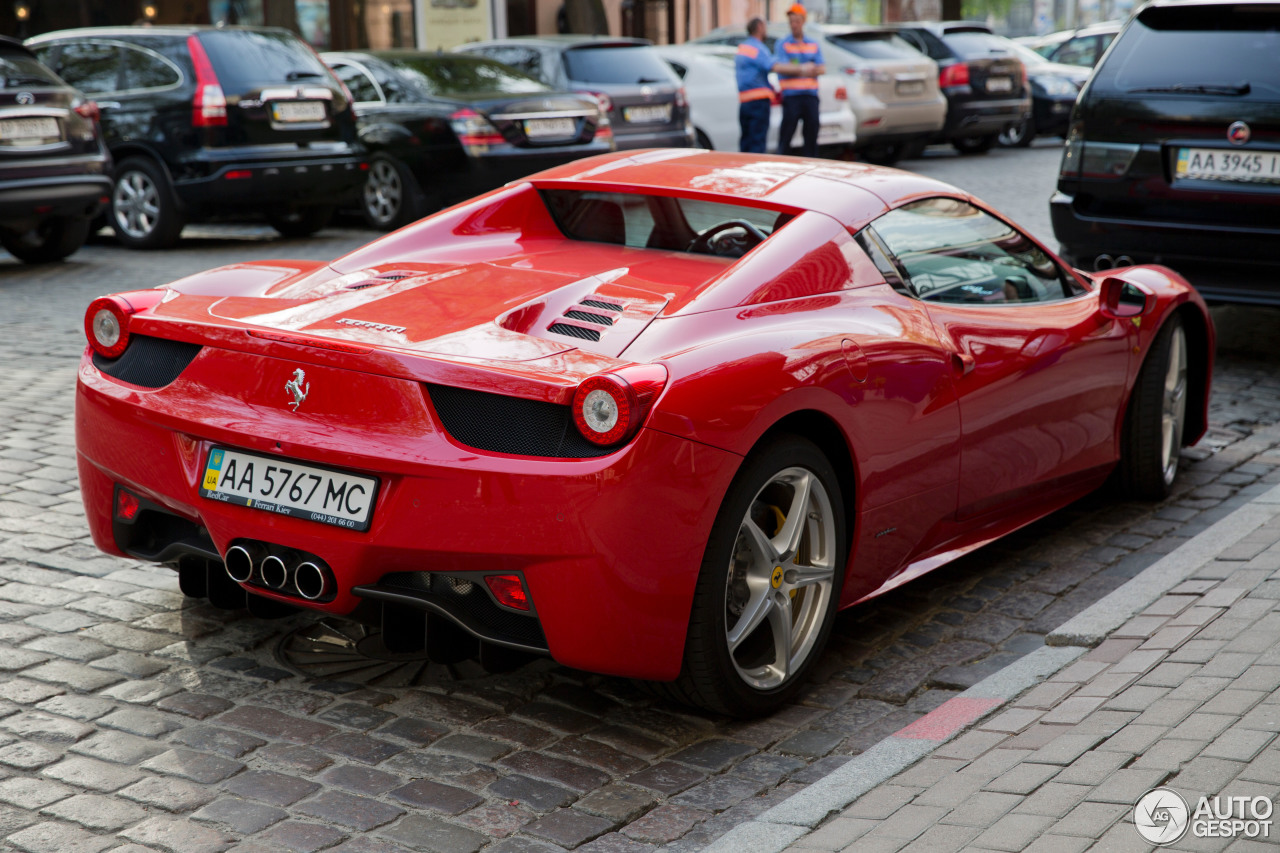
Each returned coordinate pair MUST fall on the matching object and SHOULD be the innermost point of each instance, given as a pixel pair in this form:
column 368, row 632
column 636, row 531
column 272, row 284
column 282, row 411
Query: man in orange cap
column 800, row 92
column 753, row 64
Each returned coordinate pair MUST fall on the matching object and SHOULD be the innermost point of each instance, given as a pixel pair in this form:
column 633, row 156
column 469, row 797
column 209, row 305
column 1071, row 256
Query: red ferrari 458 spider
column 655, row 414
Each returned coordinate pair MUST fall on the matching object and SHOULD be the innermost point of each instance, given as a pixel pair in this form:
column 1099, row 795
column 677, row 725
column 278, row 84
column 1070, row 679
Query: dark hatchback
column 984, row 82
column 643, row 96
column 440, row 127
column 1173, row 155
column 54, row 169
column 208, row 122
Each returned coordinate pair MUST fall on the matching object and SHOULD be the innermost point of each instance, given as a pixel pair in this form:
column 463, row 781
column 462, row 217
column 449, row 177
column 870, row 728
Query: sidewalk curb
column 779, row 827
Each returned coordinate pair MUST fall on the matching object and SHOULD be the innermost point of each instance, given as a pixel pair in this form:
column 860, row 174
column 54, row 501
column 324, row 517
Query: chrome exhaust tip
column 1103, row 262
column 275, row 574
column 1124, row 261
column 311, row 580
column 240, row 562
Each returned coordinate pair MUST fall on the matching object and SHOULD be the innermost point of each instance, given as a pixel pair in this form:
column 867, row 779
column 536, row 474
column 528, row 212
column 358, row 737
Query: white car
column 712, row 89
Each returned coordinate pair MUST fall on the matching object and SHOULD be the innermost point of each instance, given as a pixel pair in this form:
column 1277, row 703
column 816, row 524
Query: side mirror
column 1119, row 299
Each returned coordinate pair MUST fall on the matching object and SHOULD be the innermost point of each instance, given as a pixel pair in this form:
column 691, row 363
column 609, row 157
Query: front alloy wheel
column 1157, row 416
column 769, row 583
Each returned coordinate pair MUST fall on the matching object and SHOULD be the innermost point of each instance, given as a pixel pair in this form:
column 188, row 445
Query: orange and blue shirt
column 752, row 66
column 799, row 51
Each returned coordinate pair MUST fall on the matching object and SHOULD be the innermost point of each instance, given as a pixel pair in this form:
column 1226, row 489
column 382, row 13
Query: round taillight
column 604, row 409
column 106, row 325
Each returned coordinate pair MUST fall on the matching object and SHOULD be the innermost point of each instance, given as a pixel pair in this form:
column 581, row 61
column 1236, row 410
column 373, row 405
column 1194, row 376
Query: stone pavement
column 1170, row 682
column 133, row 719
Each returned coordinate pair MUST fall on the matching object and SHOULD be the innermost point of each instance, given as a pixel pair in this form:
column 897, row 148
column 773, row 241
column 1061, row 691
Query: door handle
column 962, row 361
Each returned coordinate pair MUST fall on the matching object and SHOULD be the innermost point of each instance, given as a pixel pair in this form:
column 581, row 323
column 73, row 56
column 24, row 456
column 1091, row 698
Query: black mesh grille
column 149, row 362
column 588, row 317
column 503, row 424
column 574, row 331
column 465, row 597
column 596, row 303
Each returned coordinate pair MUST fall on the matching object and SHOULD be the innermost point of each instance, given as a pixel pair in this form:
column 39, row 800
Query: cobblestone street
column 133, row 719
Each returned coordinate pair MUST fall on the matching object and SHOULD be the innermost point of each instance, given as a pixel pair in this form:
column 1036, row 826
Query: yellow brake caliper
column 780, row 520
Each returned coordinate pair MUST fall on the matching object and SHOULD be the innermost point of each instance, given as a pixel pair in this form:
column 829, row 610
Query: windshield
column 660, row 222
column 453, row 75
column 977, row 45
column 1228, row 49
column 18, row 69
column 617, row 64
column 877, row 46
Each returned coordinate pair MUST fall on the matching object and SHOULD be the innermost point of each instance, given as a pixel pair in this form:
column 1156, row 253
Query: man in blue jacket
column 799, row 91
column 753, row 63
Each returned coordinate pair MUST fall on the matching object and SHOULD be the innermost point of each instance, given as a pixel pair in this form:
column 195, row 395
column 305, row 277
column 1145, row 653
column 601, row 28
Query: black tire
column 974, row 144
column 51, row 240
column 391, row 197
column 1154, row 422
column 1019, row 135
column 302, row 221
column 143, row 212
column 715, row 678
column 702, row 140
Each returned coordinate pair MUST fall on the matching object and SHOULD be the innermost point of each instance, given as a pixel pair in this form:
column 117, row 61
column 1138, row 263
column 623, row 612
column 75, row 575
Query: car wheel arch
column 121, row 153
column 822, row 429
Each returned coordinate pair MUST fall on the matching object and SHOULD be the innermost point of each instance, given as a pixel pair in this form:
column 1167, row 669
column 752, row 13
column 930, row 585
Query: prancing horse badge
column 298, row 388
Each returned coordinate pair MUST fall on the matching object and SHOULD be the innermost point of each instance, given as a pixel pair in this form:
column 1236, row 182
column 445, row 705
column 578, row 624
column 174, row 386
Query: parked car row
column 191, row 123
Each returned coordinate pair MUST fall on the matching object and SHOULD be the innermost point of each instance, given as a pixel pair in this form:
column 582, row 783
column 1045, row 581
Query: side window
column 90, row 67
column 142, row 69
column 679, row 68
column 1078, row 51
column 951, row 251
column 362, row 87
column 524, row 59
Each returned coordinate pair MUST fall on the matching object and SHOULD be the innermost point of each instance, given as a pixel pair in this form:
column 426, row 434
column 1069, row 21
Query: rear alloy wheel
column 51, row 240
column 974, row 144
column 1156, row 417
column 769, row 584
column 302, row 221
column 143, row 212
column 1019, row 135
column 391, row 197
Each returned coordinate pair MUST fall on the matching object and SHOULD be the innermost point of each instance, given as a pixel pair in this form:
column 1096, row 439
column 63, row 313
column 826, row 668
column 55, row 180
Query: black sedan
column 443, row 127
column 1054, row 87
column 54, row 170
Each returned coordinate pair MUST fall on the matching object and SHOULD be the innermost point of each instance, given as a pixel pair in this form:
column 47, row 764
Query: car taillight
column 508, row 590
column 954, row 75
column 106, row 323
column 87, row 109
column 209, row 108
column 609, row 408
column 682, row 99
column 842, row 94
column 474, row 129
column 127, row 505
column 1024, row 74
column 606, row 103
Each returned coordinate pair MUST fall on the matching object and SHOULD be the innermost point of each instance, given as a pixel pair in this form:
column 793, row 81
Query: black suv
column 54, row 170
column 1173, row 155
column 984, row 81
column 208, row 122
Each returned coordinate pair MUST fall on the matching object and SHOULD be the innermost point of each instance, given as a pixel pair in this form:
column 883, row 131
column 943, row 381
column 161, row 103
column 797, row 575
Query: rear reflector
column 238, row 174
column 127, row 506
column 508, row 590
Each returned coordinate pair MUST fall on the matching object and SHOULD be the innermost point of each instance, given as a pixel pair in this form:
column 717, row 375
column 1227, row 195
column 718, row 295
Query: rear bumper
column 629, row 139
column 880, row 122
column 245, row 177
column 483, row 172
column 1231, row 264
column 983, row 118
column 28, row 202
column 609, row 548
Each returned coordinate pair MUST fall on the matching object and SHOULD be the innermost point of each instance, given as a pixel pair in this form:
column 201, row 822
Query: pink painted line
column 948, row 718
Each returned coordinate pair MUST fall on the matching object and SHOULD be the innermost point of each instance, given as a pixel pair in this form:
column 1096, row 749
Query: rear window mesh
column 502, row 424
column 149, row 362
